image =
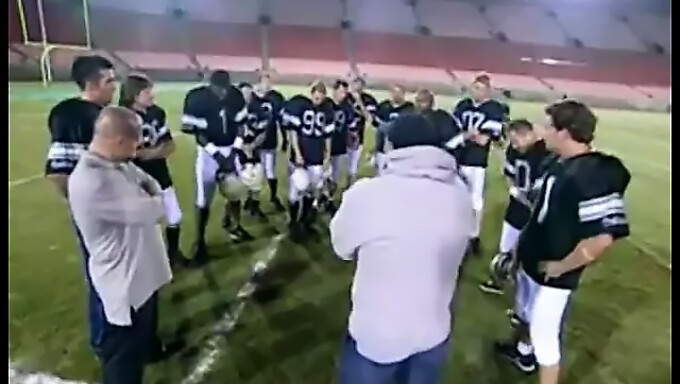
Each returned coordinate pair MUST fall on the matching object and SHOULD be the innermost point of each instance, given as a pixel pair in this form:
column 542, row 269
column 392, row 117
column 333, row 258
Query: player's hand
column 298, row 160
column 551, row 269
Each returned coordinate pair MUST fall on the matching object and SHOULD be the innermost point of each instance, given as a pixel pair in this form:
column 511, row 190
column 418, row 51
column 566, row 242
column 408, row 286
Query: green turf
column 618, row 330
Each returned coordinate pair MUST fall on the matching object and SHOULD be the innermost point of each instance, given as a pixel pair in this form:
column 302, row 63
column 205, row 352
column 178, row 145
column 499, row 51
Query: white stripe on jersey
column 455, row 141
column 162, row 131
column 288, row 118
column 195, row 121
column 241, row 115
column 509, row 168
column 492, row 125
column 329, row 128
column 601, row 207
column 65, row 151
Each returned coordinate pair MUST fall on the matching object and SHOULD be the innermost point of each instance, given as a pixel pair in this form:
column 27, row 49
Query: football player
column 445, row 123
column 213, row 113
column 365, row 106
column 71, row 127
column 136, row 93
column 482, row 119
column 579, row 213
column 310, row 124
column 272, row 102
column 253, row 133
column 388, row 111
column 523, row 159
column 345, row 124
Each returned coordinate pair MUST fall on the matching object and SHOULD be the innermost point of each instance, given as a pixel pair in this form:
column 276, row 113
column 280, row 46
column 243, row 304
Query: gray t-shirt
column 117, row 208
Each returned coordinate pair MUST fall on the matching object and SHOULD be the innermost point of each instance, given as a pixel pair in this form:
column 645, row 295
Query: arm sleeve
column 601, row 207
column 193, row 115
column 493, row 124
column 105, row 203
column 163, row 133
column 329, row 117
column 290, row 118
column 63, row 154
column 346, row 235
column 509, row 163
column 379, row 115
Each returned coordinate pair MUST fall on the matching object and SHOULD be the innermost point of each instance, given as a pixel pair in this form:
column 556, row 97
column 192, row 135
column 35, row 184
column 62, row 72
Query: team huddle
column 555, row 179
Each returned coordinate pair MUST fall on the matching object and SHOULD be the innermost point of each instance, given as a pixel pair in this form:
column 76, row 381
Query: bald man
column 117, row 209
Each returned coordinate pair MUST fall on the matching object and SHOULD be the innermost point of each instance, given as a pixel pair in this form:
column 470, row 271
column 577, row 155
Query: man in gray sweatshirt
column 117, row 208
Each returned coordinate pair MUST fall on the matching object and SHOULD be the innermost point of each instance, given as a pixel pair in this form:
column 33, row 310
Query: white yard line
column 24, row 180
column 214, row 347
column 16, row 377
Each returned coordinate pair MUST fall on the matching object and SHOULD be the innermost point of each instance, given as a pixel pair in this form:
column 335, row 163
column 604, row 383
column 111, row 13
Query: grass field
column 289, row 331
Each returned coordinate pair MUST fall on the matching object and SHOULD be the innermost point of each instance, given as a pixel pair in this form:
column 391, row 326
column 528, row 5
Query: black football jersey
column 346, row 119
column 216, row 120
column 371, row 105
column 155, row 132
column 313, row 124
column 71, row 126
column 256, row 121
column 486, row 117
column 580, row 197
column 272, row 102
column 384, row 114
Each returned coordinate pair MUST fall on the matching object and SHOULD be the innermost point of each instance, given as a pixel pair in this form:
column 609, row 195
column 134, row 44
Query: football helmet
column 501, row 267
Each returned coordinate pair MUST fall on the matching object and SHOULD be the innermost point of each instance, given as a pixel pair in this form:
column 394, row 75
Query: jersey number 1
column 545, row 204
column 223, row 116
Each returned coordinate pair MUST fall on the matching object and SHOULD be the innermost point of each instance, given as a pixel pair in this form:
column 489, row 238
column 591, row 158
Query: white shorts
column 475, row 178
column 268, row 161
column 336, row 165
column 315, row 174
column 173, row 214
column 509, row 237
column 543, row 308
column 353, row 157
column 206, row 172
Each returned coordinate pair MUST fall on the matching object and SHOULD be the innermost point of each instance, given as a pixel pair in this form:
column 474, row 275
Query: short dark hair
column 340, row 84
column 319, row 86
column 131, row 87
column 220, row 78
column 520, row 125
column 483, row 78
column 574, row 117
column 425, row 95
column 87, row 68
column 244, row 84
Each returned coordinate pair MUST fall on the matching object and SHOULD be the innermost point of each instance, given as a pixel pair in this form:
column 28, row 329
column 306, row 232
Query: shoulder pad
column 600, row 168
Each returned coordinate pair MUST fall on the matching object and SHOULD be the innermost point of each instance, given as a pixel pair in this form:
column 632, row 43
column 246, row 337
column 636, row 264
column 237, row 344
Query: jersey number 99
column 313, row 123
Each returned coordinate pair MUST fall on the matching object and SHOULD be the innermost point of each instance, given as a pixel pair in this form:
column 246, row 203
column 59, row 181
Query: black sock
column 273, row 188
column 294, row 211
column 172, row 236
column 201, row 223
column 307, row 203
column 235, row 211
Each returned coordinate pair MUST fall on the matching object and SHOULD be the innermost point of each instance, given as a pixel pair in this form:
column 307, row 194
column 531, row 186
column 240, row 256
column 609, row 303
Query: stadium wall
column 31, row 72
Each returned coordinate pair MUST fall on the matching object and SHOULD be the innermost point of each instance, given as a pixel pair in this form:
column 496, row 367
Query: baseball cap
column 411, row 130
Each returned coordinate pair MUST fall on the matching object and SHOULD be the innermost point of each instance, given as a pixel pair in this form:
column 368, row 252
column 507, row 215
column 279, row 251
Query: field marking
column 24, row 180
column 16, row 377
column 213, row 347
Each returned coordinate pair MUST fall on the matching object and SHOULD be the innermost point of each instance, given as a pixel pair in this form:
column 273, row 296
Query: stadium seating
column 392, row 49
column 316, row 13
column 658, row 93
column 513, row 20
column 235, row 63
column 310, row 67
column 453, row 19
column 392, row 16
column 598, row 29
column 223, row 11
column 306, row 43
column 653, row 28
column 404, row 73
column 504, row 81
column 604, row 90
column 155, row 60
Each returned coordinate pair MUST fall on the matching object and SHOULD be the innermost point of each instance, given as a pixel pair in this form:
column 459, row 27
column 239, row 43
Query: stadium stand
column 372, row 16
column 235, row 63
column 306, row 43
column 401, row 73
column 653, row 28
column 512, row 20
column 226, row 11
column 659, row 93
column 391, row 49
column 587, row 88
column 598, row 29
column 316, row 13
column 155, row 60
column 310, row 67
column 504, row 81
column 453, row 19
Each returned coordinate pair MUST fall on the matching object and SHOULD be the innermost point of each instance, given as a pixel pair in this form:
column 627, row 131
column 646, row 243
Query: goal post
column 31, row 12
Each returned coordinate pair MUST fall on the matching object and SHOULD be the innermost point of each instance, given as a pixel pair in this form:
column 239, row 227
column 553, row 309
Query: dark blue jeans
column 422, row 368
